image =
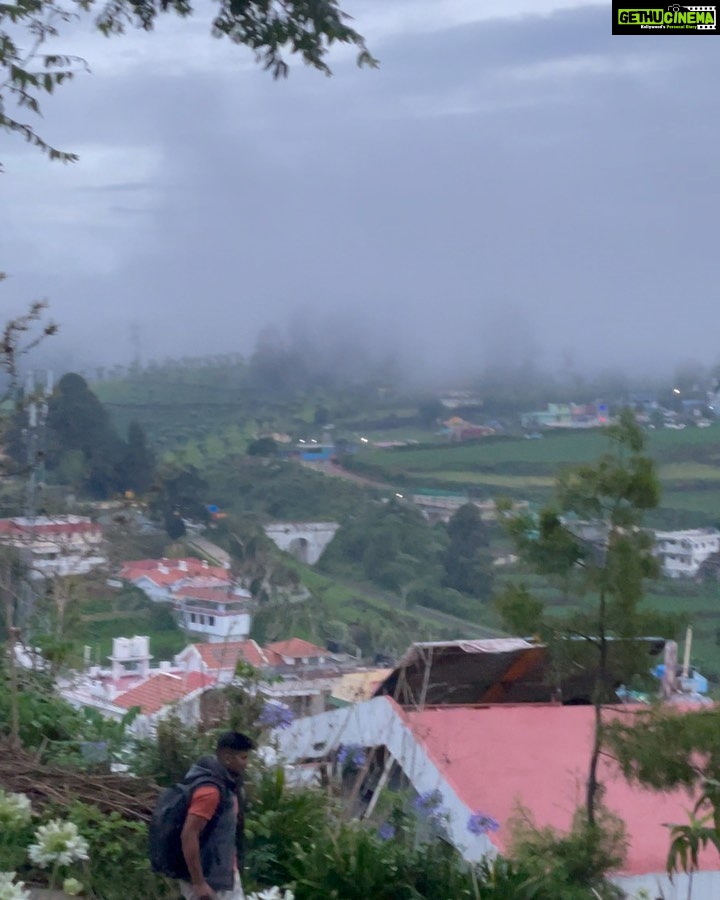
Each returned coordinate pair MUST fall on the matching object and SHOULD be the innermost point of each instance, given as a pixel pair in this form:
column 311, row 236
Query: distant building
column 296, row 653
column 461, row 400
column 206, row 600
column 567, row 415
column 220, row 613
column 293, row 672
column 219, row 660
column 460, row 430
column 54, row 546
column 440, row 506
column 682, row 553
column 158, row 578
column 314, row 452
column 131, row 681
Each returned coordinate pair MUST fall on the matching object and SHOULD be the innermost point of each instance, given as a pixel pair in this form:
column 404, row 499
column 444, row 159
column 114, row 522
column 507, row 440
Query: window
column 211, row 620
column 192, row 617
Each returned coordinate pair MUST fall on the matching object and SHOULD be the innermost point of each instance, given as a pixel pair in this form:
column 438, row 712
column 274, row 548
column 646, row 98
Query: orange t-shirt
column 204, row 802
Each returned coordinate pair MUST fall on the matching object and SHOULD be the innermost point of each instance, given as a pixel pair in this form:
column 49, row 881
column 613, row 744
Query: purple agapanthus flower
column 352, row 754
column 429, row 802
column 480, row 823
column 386, row 832
column 275, row 715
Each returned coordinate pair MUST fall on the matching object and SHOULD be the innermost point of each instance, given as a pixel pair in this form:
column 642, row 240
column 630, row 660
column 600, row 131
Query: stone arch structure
column 300, row 549
column 306, row 541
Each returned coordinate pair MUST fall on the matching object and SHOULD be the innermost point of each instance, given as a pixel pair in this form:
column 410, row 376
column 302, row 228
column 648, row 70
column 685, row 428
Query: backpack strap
column 202, row 781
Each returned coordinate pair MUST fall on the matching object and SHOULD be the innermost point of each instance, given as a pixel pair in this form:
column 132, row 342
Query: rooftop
column 297, row 648
column 224, row 656
column 170, row 571
column 218, row 594
column 497, row 670
column 46, row 525
column 161, row 690
column 498, row 756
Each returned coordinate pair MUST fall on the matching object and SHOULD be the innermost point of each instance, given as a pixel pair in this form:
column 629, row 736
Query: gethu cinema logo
column 675, row 15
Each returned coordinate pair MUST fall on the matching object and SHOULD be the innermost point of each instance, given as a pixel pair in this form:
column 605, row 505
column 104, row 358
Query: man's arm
column 190, row 839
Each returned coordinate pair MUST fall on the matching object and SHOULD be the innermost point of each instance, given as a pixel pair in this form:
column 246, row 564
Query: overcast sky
column 512, row 180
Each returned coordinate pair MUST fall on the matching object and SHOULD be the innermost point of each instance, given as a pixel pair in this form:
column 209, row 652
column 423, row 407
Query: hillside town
column 359, row 451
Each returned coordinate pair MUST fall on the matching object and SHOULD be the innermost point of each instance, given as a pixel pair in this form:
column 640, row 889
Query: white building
column 221, row 614
column 57, row 545
column 130, row 682
column 681, row 553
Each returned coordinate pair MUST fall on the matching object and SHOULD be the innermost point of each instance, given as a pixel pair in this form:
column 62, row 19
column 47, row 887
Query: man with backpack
column 196, row 832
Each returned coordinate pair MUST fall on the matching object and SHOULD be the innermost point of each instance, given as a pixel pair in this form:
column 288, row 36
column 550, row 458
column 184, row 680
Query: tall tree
column 466, row 560
column 180, row 494
column 138, row 464
column 612, row 496
column 77, row 421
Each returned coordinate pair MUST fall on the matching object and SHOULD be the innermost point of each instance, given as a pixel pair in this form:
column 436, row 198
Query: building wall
column 683, row 552
column 217, row 627
column 156, row 592
column 705, row 886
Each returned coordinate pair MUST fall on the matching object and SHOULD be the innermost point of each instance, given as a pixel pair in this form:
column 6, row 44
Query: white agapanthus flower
column 15, row 810
column 273, row 893
column 58, row 843
column 11, row 889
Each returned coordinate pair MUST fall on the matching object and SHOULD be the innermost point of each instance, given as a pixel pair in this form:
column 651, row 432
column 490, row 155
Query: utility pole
column 36, row 400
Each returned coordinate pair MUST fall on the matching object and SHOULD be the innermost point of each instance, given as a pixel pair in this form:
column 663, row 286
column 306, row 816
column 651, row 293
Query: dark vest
column 219, row 837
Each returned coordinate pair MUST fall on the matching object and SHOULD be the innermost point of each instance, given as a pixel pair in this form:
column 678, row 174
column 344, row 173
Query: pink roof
column 161, row 690
column 226, row 655
column 296, row 648
column 494, row 757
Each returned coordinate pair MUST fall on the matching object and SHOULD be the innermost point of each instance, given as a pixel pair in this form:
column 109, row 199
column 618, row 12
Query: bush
column 566, row 866
column 168, row 757
column 278, row 819
column 118, row 867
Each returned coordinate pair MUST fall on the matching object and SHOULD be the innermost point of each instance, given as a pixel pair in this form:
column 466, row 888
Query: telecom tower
column 37, row 410
column 35, row 400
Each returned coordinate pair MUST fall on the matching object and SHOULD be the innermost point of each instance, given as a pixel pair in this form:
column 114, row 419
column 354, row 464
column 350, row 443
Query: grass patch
column 512, row 482
column 689, row 471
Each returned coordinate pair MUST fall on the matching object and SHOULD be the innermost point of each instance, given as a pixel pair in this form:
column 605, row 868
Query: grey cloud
column 536, row 166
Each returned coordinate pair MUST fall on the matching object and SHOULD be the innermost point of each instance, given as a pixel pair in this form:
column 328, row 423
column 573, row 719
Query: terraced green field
column 688, row 466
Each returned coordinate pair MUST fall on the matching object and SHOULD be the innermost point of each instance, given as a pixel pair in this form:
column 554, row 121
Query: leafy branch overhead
column 19, row 336
column 270, row 28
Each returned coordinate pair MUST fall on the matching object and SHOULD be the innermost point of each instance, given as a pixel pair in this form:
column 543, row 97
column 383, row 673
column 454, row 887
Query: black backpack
column 166, row 825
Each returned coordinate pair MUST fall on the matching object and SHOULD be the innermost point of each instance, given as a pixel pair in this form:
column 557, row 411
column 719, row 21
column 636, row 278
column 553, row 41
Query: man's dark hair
column 234, row 740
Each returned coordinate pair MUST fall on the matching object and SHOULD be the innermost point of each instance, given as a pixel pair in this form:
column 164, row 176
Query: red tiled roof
column 159, row 578
column 539, row 755
column 40, row 529
column 226, row 655
column 162, row 690
column 170, row 571
column 296, row 648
